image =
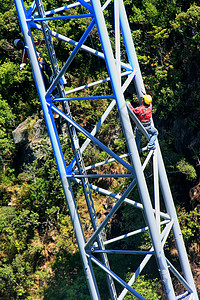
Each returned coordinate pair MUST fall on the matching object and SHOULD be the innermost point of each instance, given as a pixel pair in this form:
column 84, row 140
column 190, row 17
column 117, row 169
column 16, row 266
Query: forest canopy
column 39, row 254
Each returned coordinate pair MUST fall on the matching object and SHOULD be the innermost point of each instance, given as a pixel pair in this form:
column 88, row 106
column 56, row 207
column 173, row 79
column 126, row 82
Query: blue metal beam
column 67, row 174
column 57, row 149
column 128, row 133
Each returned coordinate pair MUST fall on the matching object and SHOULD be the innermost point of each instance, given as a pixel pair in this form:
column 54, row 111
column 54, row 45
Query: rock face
column 195, row 197
column 187, row 136
column 20, row 134
column 27, row 138
column 185, row 133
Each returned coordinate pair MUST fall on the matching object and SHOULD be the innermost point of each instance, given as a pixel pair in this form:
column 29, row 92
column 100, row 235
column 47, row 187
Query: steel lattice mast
column 120, row 74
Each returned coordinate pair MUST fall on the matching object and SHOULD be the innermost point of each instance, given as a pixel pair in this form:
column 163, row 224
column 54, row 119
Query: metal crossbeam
column 120, row 75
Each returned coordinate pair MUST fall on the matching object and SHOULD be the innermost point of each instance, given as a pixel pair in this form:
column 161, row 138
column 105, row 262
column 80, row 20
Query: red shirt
column 143, row 112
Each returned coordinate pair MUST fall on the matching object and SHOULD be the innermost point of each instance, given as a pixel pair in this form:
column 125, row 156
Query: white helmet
column 19, row 44
column 16, row 41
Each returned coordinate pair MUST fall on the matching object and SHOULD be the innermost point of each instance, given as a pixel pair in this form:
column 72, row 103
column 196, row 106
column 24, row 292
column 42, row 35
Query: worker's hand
column 22, row 66
column 129, row 105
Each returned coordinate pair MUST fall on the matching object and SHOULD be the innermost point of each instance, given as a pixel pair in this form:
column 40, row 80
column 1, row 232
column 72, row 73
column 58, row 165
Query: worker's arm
column 130, row 106
column 134, row 109
column 39, row 43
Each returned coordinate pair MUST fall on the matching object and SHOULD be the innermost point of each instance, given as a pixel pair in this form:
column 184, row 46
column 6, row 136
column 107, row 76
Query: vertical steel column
column 156, row 189
column 134, row 156
column 169, row 203
column 166, row 191
column 57, row 149
column 117, row 38
column 131, row 53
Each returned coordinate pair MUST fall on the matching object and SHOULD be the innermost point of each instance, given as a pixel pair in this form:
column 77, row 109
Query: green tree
column 16, row 230
column 37, row 242
column 6, row 142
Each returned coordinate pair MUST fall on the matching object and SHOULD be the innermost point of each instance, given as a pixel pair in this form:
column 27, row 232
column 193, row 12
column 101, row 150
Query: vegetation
column 39, row 258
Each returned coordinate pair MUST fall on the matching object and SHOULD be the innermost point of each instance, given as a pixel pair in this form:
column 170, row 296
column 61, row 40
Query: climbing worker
column 144, row 114
column 44, row 66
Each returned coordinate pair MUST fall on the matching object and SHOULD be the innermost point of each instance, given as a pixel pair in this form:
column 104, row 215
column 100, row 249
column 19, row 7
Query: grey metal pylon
column 77, row 172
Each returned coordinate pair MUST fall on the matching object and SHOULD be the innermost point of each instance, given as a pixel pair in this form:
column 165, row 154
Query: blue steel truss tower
column 96, row 250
